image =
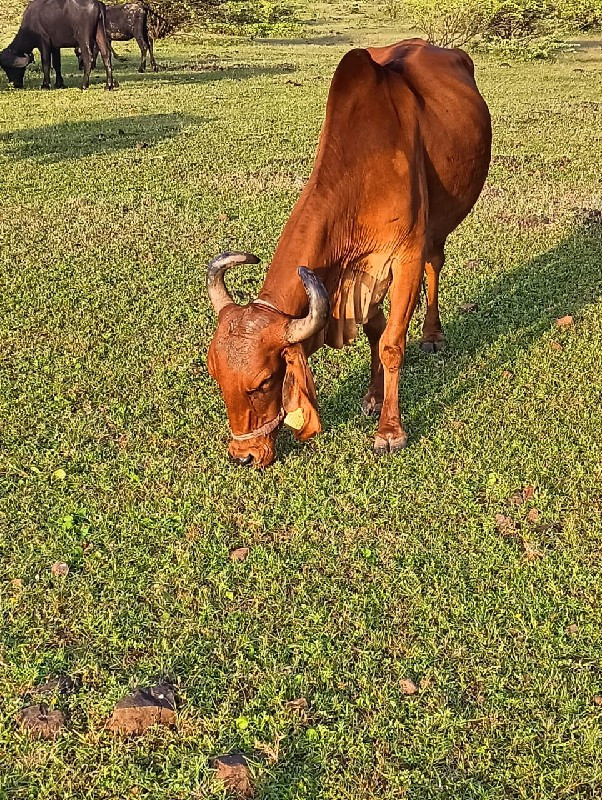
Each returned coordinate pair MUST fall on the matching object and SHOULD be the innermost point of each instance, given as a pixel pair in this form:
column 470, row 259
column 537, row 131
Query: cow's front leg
column 433, row 340
column 56, row 63
column 45, row 58
column 373, row 399
column 404, row 293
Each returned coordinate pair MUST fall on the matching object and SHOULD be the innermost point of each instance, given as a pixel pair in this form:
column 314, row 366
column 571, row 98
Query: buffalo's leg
column 56, row 63
column 433, row 339
column 143, row 49
column 151, row 52
column 86, row 59
column 404, row 293
column 45, row 58
column 373, row 399
column 104, row 45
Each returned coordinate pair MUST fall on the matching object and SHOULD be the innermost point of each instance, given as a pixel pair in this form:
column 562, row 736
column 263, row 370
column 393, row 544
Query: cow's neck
column 305, row 242
column 23, row 43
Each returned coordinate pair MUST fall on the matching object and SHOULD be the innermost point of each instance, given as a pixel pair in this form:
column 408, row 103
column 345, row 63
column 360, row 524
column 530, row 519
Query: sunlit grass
column 362, row 572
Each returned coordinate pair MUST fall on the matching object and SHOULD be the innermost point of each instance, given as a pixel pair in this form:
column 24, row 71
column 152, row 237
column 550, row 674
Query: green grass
column 362, row 572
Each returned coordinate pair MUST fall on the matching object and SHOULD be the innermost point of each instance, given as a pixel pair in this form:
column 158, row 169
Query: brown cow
column 403, row 155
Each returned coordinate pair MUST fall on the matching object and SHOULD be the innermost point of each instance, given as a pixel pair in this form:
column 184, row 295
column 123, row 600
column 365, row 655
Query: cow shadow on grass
column 66, row 141
column 126, row 73
column 515, row 309
column 193, row 71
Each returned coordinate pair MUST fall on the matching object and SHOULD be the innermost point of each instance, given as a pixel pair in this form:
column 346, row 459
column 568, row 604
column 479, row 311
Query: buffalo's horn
column 298, row 330
column 216, row 287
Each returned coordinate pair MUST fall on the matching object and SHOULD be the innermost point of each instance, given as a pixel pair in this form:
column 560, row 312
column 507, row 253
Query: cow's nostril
column 246, row 461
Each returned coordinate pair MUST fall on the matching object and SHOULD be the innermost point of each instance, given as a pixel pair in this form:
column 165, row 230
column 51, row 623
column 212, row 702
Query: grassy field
column 362, row 572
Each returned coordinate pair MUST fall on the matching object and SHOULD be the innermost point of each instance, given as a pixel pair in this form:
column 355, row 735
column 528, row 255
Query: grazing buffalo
column 403, row 156
column 48, row 25
column 129, row 21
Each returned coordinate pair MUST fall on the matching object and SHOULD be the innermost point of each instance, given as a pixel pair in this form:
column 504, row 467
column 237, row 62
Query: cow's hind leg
column 104, row 46
column 433, row 340
column 151, row 53
column 56, row 63
column 142, row 46
column 373, row 399
column 404, row 293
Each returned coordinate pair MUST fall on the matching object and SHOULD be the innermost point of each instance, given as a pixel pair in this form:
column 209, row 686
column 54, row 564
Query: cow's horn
column 216, row 287
column 299, row 330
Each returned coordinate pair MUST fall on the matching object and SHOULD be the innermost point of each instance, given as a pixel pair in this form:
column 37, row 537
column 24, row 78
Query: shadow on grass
column 126, row 72
column 514, row 310
column 321, row 41
column 69, row 140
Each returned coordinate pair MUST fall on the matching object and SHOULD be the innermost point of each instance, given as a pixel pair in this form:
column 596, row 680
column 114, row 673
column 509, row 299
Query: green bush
column 453, row 23
column 581, row 15
column 523, row 28
column 520, row 19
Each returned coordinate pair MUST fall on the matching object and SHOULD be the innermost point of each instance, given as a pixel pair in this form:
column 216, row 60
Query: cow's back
column 59, row 21
column 455, row 125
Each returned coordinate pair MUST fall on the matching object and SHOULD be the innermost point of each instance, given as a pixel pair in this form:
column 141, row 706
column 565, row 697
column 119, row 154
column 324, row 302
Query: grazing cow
column 403, row 156
column 129, row 21
column 49, row 25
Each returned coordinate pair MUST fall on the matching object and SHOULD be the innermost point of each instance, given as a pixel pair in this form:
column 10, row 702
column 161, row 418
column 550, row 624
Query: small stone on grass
column 137, row 712
column 41, row 723
column 60, row 569
column 408, row 687
column 239, row 554
column 533, row 516
column 298, row 705
column 233, row 771
column 572, row 629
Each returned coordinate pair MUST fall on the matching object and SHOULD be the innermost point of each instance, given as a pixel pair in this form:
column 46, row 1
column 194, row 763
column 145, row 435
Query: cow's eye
column 265, row 384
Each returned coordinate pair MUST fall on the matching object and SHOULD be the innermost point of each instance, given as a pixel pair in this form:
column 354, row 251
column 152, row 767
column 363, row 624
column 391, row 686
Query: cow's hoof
column 371, row 406
column 433, row 347
column 45, row 86
column 389, row 443
column 141, row 69
column 59, row 86
column 155, row 68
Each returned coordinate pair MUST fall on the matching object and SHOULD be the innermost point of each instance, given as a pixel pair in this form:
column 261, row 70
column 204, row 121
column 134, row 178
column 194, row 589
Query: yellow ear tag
column 295, row 419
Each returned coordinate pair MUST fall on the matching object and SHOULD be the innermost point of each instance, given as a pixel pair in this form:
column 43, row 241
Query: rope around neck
column 262, row 431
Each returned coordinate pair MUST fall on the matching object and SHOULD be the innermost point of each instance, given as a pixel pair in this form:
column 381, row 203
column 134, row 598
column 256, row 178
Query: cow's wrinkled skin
column 49, row 25
column 403, row 156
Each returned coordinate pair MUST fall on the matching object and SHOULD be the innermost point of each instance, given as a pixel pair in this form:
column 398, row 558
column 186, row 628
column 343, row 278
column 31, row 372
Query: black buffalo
column 48, row 25
column 129, row 21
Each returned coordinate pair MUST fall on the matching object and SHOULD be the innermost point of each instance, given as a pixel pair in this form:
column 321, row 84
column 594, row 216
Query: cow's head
column 258, row 359
column 15, row 65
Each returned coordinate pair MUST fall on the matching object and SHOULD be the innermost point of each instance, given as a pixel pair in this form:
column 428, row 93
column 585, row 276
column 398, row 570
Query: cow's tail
column 102, row 37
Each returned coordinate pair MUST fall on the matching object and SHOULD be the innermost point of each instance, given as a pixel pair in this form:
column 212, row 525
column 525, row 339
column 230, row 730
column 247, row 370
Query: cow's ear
column 299, row 395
